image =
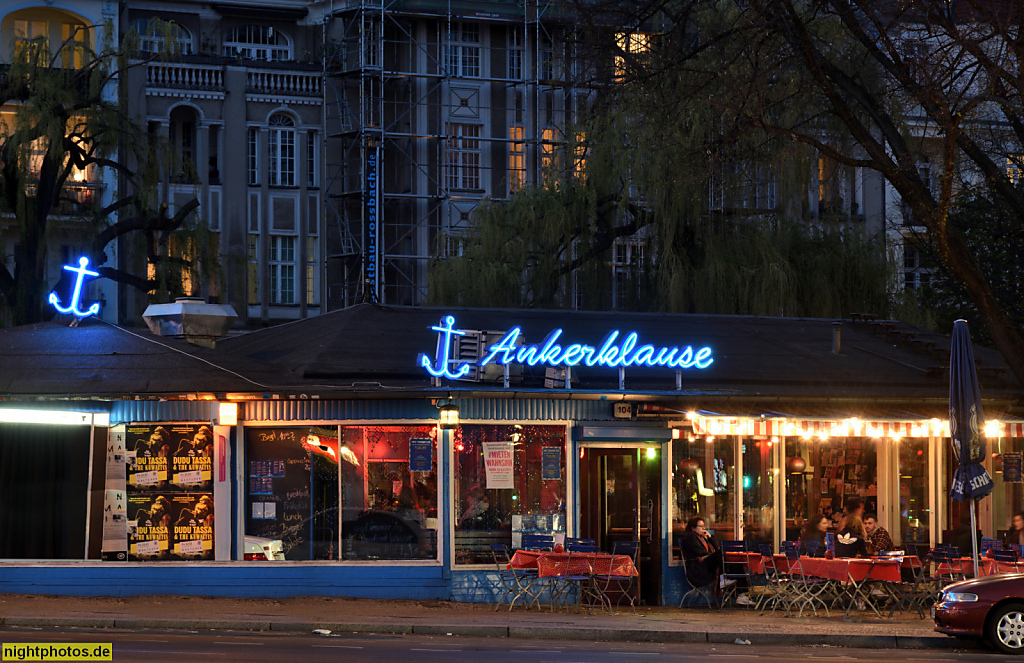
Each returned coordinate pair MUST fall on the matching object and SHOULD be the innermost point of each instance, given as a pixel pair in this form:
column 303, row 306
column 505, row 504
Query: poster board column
column 115, row 517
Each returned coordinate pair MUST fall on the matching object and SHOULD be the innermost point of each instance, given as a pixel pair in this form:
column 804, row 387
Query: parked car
column 259, row 549
column 991, row 608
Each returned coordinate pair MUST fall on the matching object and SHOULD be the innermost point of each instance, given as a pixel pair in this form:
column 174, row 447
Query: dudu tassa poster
column 179, row 456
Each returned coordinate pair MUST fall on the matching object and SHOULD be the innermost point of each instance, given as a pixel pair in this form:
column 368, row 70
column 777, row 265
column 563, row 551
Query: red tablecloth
column 992, row 567
column 558, row 564
column 964, row 564
column 752, row 560
column 843, row 570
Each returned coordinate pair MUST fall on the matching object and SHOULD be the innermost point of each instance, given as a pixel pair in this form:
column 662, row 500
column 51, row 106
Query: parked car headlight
column 960, row 597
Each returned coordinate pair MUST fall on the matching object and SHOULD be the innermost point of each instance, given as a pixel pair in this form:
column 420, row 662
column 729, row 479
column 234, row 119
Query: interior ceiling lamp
column 449, row 417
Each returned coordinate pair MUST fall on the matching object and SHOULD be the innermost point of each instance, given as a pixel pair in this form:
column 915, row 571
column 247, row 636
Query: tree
column 65, row 125
column 628, row 221
column 872, row 84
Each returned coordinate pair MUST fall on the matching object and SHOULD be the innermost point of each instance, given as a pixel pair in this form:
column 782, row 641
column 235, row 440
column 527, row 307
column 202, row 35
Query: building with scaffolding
column 431, row 107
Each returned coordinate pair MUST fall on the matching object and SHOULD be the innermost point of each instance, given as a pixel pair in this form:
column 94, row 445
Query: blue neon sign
column 615, row 351
column 82, row 272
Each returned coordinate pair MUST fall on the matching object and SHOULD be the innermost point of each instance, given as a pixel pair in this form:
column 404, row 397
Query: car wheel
column 1005, row 629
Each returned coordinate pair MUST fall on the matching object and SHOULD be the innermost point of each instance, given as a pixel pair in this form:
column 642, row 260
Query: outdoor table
column 752, row 560
column 852, row 574
column 992, row 567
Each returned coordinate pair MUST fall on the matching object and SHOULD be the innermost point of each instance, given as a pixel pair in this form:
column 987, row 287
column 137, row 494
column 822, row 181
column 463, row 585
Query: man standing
column 878, row 537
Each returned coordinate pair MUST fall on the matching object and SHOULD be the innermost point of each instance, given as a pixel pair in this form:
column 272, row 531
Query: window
column 627, row 270
column 463, row 156
column 515, row 53
column 253, row 156
column 464, row 50
column 377, row 485
column 548, row 158
column 311, row 287
column 915, row 274
column 154, row 35
column 632, row 44
column 253, row 252
column 1014, row 165
column 281, row 139
column 31, row 40
column 702, row 485
column 182, row 133
column 281, row 268
column 516, row 159
column 257, row 42
column 311, row 152
column 73, row 41
column 535, row 500
column 579, row 156
column 547, row 59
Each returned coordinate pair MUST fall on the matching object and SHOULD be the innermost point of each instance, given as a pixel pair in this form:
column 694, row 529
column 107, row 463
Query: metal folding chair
column 620, row 585
column 1005, row 557
column 735, row 571
column 580, row 582
column 814, row 549
column 570, row 542
column 803, row 589
column 538, row 542
column 775, row 591
column 949, row 568
column 517, row 583
column 706, row 591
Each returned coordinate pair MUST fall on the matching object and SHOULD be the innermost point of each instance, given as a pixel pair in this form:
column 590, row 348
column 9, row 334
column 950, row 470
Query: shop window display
column 509, row 479
column 822, row 475
column 368, row 493
column 702, row 485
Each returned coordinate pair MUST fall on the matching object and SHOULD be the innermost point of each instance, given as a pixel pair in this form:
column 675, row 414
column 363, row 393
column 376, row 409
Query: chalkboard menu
column 278, row 501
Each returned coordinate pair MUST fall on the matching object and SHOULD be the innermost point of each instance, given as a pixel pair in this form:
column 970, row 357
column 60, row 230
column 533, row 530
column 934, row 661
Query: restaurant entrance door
column 620, row 500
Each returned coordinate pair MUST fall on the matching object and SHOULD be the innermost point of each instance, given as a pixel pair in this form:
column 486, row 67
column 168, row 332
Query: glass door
column 620, row 500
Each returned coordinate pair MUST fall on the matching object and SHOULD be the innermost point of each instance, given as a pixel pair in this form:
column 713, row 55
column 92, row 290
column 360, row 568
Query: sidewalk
column 660, row 624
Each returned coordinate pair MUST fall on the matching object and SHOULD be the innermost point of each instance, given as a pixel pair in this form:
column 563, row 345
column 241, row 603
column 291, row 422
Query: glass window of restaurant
column 1007, row 495
column 509, row 479
column 823, row 475
column 365, row 492
column 702, row 485
column 758, row 485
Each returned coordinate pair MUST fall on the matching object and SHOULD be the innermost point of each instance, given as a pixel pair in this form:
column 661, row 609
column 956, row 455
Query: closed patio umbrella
column 970, row 480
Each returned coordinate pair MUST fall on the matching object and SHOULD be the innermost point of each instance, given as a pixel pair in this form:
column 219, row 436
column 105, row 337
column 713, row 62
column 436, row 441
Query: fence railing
column 191, row 76
column 291, row 83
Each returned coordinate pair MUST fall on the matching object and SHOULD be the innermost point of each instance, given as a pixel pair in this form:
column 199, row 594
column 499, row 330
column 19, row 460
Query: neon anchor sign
column 612, row 352
column 73, row 309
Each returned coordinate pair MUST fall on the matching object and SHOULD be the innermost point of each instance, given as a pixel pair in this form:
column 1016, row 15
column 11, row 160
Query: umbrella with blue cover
column 970, row 480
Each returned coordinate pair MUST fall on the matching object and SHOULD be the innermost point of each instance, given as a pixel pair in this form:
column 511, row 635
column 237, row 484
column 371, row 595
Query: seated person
column 1015, row 535
column 814, row 533
column 852, row 540
column 701, row 554
column 878, row 536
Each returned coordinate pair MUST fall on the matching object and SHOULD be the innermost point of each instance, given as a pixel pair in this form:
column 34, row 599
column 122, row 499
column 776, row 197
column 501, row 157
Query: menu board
column 279, row 505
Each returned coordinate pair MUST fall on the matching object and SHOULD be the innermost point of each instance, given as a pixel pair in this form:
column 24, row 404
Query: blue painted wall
column 252, row 580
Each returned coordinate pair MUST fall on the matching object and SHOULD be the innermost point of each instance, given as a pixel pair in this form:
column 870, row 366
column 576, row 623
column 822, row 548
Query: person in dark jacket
column 701, row 554
column 1015, row 535
column 852, row 540
column 814, row 533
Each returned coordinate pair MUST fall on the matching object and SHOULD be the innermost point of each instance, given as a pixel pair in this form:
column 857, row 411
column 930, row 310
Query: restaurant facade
column 387, row 448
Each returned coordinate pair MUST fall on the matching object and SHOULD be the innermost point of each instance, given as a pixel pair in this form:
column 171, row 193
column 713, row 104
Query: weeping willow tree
column 62, row 126
column 682, row 205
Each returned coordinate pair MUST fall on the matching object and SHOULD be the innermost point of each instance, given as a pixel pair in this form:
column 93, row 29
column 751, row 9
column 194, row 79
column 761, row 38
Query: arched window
column 154, row 33
column 257, row 42
column 281, row 139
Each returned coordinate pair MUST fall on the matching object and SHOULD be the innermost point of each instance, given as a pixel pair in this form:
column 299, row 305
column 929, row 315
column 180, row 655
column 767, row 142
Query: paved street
column 176, row 646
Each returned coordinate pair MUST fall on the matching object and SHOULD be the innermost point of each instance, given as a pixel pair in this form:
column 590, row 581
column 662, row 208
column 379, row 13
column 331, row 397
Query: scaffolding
column 428, row 110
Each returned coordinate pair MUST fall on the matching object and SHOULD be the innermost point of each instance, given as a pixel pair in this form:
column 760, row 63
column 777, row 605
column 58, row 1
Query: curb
column 511, row 631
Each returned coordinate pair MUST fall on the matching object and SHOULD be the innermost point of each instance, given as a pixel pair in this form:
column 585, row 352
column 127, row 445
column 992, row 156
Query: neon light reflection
column 82, row 272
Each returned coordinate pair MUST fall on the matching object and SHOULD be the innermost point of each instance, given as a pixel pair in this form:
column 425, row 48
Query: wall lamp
column 449, row 418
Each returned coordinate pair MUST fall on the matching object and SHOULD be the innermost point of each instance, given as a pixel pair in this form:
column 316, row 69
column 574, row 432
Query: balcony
column 175, row 75
column 286, row 83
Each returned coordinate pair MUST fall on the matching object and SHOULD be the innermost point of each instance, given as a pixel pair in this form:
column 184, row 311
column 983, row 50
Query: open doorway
column 620, row 500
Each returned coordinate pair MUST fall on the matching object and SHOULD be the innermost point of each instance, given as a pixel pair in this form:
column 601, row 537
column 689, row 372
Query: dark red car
column 991, row 607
